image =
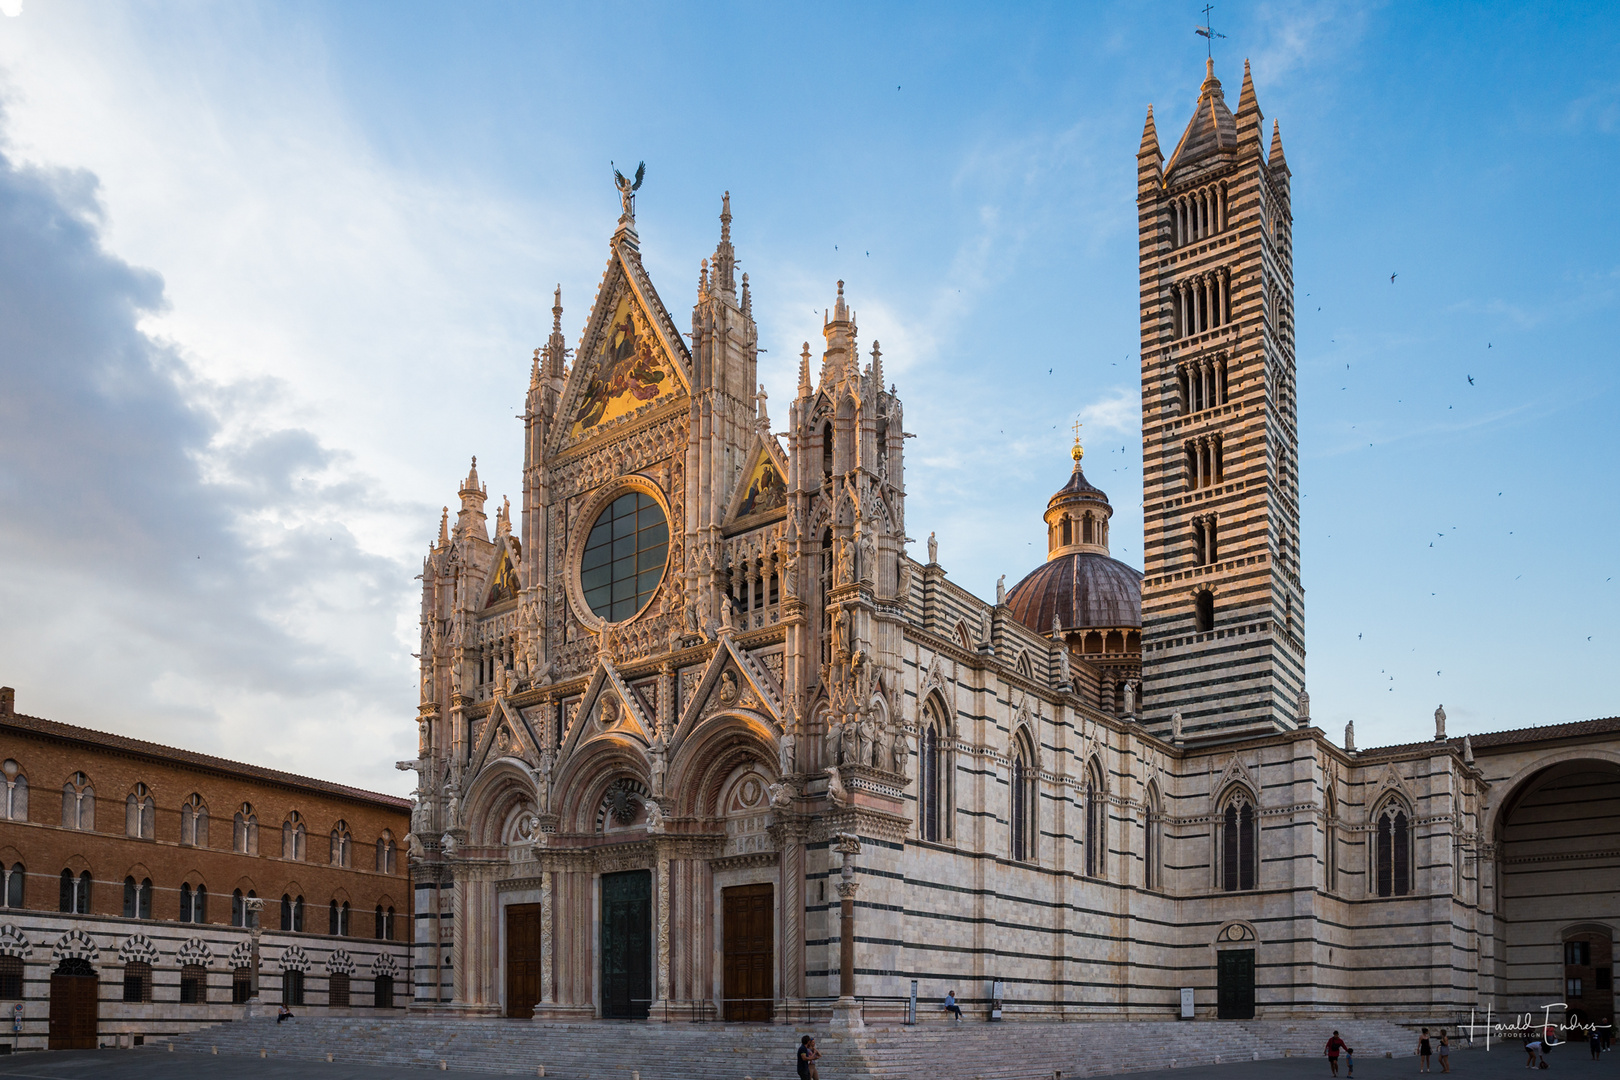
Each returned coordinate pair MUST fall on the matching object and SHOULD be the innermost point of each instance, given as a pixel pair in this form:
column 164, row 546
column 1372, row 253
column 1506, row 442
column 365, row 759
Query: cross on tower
column 1207, row 32
column 1077, row 451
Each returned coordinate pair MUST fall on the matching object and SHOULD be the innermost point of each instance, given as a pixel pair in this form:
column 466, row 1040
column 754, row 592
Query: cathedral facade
column 700, row 738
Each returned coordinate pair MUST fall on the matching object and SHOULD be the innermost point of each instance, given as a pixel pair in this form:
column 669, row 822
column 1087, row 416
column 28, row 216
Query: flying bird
column 1470, row 380
column 1392, row 279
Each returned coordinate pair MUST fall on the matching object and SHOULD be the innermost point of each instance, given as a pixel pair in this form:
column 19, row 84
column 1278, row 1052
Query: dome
column 1083, row 590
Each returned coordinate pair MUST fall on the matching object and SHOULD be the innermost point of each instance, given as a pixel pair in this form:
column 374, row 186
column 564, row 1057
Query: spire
column 703, row 280
column 556, row 345
column 804, row 372
column 1210, row 131
column 747, row 302
column 1150, row 139
column 1247, row 102
column 1276, row 161
column 444, row 527
column 470, row 485
column 840, row 356
column 725, row 257
column 877, row 366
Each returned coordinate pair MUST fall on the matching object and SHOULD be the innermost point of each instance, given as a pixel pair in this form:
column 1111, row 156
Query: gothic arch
column 13, row 943
column 582, row 781
column 707, row 760
column 493, row 796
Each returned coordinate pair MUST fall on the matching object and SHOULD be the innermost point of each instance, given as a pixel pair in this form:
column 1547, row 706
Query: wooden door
column 748, row 921
column 1234, row 984
column 74, row 993
column 522, row 960
column 627, row 944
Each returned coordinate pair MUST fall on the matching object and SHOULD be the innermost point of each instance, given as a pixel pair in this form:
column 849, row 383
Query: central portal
column 523, row 960
column 749, row 934
column 627, row 945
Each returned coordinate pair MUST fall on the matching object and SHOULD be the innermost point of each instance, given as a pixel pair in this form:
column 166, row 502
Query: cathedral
column 701, row 737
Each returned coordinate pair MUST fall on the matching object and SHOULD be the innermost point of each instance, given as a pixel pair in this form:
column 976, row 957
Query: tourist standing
column 1349, row 1062
column 1596, row 1042
column 1445, row 1052
column 807, row 1058
column 1424, row 1051
column 1334, row 1046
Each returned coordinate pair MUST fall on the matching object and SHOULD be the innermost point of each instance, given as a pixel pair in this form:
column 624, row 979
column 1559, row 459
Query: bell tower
column 1223, row 630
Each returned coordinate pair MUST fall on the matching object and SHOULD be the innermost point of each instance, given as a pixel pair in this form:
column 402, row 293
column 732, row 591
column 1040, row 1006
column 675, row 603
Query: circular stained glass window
column 624, row 556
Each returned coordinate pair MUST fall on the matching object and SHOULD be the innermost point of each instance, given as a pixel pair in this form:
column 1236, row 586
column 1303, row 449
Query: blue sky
column 275, row 273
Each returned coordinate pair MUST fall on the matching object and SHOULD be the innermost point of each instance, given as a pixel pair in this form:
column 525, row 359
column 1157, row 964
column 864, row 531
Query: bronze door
column 627, row 944
column 522, row 960
column 74, row 993
column 1234, row 984
column 749, row 946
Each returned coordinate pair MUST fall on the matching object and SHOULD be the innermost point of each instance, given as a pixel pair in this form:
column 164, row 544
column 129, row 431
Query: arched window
column 827, row 449
column 378, row 925
column 78, row 803
column 15, row 879
column 137, row 981
column 1237, row 854
column 286, row 911
column 337, row 990
column 16, row 800
column 388, row 924
column 292, row 987
column 137, row 898
column 1068, row 531
column 194, row 821
column 383, row 992
column 385, row 852
column 1152, row 840
column 1330, row 842
column 1204, row 612
column 139, row 813
column 11, row 978
column 340, row 844
column 185, row 902
column 292, row 836
column 193, row 984
column 199, row 904
column 75, row 899
column 1096, row 816
column 245, row 834
column 928, row 775
column 1023, row 815
column 1393, row 851
column 240, row 915
column 241, row 985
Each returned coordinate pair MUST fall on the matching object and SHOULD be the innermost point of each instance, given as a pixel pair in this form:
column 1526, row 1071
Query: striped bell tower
column 1223, row 630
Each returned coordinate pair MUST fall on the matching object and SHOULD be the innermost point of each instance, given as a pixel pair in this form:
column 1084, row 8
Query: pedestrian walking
column 807, row 1056
column 1334, row 1046
column 1445, row 1052
column 951, row 1006
column 1349, row 1062
column 1596, row 1042
column 1424, row 1051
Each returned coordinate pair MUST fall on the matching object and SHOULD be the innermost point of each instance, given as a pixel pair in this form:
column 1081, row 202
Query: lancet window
column 140, row 813
column 245, row 831
column 15, row 806
column 1022, row 812
column 1202, row 384
column 194, row 821
column 934, row 776
column 75, row 896
column 78, row 803
column 137, row 898
column 292, row 836
column 1095, row 844
column 1238, row 855
column 1204, row 461
column 340, row 844
column 1201, row 303
column 1392, row 850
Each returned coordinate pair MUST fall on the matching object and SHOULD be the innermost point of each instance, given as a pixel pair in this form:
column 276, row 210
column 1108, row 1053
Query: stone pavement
column 1503, row 1062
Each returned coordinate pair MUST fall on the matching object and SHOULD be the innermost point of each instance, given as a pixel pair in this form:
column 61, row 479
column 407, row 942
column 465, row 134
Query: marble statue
column 1440, row 724
column 933, row 549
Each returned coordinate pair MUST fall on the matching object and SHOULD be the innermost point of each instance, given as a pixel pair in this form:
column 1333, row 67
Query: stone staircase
column 931, row 1050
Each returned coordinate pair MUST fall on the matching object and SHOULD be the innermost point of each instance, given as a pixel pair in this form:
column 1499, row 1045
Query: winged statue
column 627, row 188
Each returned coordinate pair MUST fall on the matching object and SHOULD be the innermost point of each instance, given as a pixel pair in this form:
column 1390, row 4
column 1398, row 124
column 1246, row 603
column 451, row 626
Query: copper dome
column 1083, row 590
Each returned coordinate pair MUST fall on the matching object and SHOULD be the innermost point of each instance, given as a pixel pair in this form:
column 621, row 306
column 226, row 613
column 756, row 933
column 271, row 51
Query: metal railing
column 875, row 1008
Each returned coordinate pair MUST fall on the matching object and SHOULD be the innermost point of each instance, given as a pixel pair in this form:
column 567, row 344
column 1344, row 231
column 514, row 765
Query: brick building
column 131, row 872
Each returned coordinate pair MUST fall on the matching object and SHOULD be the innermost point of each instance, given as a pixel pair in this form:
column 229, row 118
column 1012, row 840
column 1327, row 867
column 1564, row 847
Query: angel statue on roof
column 627, row 188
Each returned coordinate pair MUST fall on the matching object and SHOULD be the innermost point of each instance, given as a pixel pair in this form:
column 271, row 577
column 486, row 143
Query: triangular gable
column 733, row 658
column 607, row 679
column 503, row 582
column 1235, row 771
column 761, row 495
column 630, row 356
column 524, row 743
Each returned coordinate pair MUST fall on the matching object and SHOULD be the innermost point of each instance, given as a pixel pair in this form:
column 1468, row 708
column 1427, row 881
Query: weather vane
column 1207, row 31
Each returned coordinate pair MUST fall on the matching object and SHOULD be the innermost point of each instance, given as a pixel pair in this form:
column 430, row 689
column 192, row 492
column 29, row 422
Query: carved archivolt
column 340, row 963
column 384, row 964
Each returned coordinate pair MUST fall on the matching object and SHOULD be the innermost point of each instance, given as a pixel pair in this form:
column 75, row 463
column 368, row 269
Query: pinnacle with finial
column 1079, row 451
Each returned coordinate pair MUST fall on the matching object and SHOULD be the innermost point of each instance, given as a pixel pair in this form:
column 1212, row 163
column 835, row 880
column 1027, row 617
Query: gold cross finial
column 1077, row 453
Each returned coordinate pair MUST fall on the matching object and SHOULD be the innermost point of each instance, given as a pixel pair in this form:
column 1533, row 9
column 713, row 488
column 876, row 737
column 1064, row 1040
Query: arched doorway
column 1556, row 872
column 74, row 993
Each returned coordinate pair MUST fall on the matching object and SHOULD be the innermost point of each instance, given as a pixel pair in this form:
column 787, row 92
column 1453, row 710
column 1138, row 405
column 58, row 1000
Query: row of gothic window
column 79, row 812
column 194, row 984
column 1198, row 215
column 1237, row 835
